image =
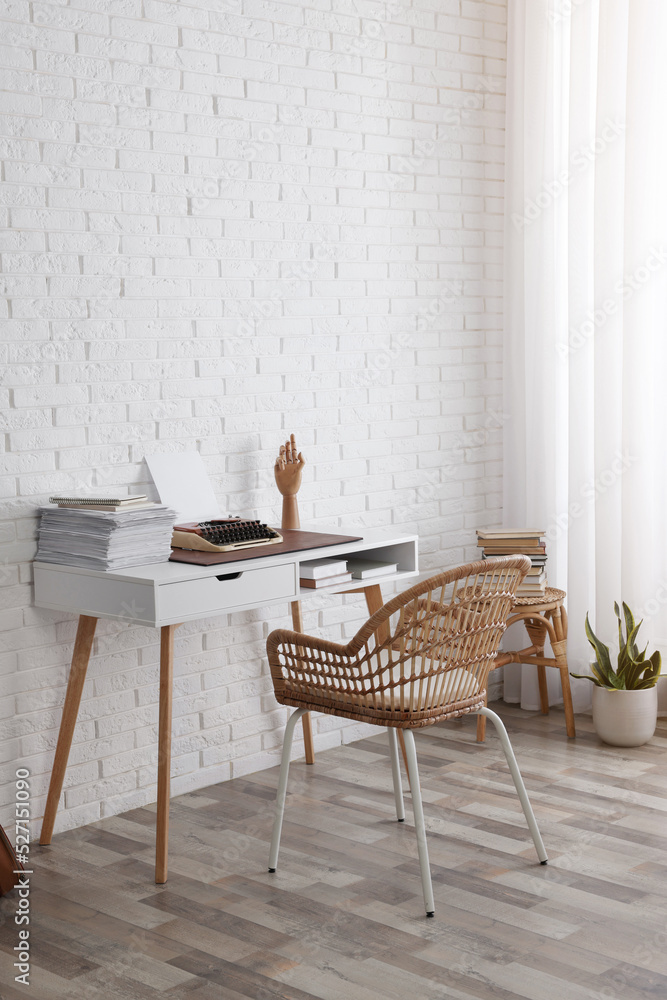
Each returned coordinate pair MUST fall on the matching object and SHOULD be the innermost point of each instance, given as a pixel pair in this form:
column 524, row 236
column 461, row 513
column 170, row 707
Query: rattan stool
column 546, row 616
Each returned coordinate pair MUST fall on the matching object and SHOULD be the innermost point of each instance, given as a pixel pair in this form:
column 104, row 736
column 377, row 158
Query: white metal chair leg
column 282, row 787
column 518, row 782
column 413, row 774
column 396, row 775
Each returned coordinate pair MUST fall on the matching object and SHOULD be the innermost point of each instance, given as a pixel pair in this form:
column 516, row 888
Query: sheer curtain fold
column 586, row 308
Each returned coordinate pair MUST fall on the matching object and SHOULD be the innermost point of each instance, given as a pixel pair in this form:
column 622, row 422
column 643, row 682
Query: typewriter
column 223, row 535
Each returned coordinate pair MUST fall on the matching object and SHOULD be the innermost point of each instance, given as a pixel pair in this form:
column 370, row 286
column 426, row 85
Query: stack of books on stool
column 105, row 533
column 510, row 543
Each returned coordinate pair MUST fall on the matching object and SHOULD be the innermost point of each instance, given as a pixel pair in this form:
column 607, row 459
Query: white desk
column 163, row 595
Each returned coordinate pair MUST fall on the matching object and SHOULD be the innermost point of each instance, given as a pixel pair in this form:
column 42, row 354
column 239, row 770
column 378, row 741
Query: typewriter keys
column 236, row 532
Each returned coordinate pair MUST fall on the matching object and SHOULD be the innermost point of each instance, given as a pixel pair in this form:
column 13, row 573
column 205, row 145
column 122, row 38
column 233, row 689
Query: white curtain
column 586, row 310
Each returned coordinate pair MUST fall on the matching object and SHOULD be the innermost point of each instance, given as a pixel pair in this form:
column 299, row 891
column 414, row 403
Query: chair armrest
column 302, row 663
column 284, row 636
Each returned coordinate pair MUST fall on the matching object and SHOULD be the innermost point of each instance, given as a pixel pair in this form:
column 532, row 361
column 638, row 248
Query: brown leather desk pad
column 294, row 540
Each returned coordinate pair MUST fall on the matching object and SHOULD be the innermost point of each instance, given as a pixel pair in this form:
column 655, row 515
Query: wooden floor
column 343, row 917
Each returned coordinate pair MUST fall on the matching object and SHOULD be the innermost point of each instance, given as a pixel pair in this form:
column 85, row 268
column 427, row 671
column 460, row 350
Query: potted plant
column 625, row 700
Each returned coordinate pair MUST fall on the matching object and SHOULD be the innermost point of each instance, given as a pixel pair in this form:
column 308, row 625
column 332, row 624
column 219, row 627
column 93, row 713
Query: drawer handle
column 229, row 576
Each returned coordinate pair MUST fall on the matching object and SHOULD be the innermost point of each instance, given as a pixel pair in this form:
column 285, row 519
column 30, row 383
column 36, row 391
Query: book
column 366, row 569
column 524, row 591
column 317, row 569
column 507, row 533
column 92, row 501
column 533, row 585
column 513, row 550
column 508, row 546
column 325, row 581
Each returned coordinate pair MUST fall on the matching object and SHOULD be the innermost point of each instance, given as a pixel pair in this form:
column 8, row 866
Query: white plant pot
column 625, row 718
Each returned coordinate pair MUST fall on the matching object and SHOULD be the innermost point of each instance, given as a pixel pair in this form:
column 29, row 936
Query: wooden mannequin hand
column 288, row 468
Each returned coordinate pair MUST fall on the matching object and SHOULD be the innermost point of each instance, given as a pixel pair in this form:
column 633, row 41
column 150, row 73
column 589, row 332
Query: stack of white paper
column 103, row 539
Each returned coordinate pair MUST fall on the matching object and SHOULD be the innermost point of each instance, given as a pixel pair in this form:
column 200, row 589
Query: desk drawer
column 210, row 595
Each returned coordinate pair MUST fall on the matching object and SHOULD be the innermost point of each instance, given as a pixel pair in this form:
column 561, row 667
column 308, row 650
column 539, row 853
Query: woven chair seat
column 460, row 691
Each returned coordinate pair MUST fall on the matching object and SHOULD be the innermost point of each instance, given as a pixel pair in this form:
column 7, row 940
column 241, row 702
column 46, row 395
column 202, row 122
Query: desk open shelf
column 402, row 552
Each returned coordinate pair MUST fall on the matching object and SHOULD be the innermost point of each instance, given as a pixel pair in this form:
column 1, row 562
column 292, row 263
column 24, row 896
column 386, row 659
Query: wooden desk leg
column 559, row 620
column 373, row 595
column 306, row 725
column 77, row 675
column 374, row 602
column 308, row 738
column 164, row 752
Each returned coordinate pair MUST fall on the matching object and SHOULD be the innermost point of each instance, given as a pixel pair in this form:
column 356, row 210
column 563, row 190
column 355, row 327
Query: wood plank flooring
column 343, row 917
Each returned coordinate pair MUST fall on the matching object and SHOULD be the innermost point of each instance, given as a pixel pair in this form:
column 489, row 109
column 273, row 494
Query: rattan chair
column 423, row 658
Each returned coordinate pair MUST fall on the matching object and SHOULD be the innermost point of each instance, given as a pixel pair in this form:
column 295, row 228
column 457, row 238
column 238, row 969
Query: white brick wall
column 223, row 221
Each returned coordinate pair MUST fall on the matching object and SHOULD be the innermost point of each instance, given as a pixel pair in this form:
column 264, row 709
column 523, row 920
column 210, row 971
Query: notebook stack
column 510, row 543
column 87, row 502
column 105, row 534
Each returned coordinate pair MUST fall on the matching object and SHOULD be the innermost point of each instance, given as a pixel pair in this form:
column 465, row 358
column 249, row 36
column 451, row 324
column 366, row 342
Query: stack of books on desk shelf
column 109, row 537
column 323, row 573
column 510, row 543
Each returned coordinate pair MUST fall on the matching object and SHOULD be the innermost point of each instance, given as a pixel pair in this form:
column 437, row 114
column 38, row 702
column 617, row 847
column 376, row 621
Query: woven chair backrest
column 435, row 643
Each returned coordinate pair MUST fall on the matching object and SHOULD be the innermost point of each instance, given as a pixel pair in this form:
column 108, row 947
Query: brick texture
column 221, row 221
